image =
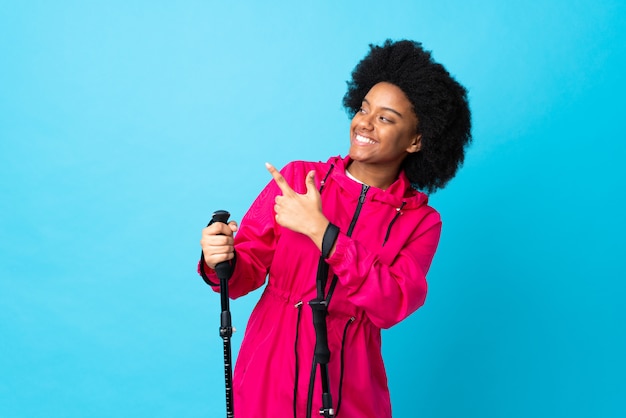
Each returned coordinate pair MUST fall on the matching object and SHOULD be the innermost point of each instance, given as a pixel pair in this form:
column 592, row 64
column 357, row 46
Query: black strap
column 203, row 272
column 330, row 236
column 319, row 307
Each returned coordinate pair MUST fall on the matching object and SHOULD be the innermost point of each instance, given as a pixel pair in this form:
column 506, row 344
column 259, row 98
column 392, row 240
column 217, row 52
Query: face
column 384, row 130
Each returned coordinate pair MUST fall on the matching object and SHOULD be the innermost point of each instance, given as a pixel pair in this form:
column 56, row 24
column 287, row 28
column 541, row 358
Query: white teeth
column 364, row 140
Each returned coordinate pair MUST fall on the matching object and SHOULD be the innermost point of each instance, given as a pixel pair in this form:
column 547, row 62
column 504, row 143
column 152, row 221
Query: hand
column 217, row 243
column 300, row 212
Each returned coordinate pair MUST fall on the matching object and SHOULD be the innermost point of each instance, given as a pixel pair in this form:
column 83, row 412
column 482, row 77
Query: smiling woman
column 383, row 133
column 354, row 229
column 438, row 101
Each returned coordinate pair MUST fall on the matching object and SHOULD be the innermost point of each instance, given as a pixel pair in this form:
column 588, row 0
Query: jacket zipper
column 364, row 190
column 357, row 211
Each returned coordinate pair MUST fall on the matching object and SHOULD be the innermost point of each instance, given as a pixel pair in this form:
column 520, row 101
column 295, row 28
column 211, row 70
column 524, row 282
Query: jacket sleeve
column 388, row 293
column 254, row 246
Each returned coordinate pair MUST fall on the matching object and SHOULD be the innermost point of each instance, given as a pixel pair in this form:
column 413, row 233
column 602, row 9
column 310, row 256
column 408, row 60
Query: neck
column 379, row 177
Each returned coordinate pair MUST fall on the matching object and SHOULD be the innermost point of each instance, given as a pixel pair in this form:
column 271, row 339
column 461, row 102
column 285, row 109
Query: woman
column 373, row 229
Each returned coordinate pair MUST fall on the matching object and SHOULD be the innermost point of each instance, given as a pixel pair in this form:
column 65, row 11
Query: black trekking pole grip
column 224, row 271
column 320, row 310
column 221, row 269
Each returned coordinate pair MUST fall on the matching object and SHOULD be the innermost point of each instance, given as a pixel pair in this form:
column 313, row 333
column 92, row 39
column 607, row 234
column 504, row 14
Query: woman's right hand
column 217, row 243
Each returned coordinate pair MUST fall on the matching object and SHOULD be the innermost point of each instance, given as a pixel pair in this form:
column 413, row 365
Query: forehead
column 388, row 95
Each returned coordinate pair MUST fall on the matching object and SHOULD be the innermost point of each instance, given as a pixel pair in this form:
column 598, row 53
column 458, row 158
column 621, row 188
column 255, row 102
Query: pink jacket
column 381, row 269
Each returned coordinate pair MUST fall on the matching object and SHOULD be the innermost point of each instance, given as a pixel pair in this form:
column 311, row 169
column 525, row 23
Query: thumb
column 310, row 183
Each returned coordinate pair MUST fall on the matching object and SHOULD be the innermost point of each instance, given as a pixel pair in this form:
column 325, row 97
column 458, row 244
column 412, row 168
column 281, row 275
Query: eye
column 361, row 112
column 384, row 119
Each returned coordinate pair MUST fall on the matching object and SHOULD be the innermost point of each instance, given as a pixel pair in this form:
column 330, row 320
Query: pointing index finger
column 279, row 179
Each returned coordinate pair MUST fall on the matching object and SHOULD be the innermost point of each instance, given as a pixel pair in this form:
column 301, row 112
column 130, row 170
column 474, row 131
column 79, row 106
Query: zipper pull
column 363, row 193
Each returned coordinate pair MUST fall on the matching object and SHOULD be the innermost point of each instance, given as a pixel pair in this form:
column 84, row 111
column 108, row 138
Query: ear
column 416, row 144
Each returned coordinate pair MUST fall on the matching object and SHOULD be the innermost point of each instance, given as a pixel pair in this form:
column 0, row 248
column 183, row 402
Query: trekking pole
column 224, row 271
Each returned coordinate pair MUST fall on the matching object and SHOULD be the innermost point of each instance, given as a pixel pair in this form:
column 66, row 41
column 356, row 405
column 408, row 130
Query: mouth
column 360, row 139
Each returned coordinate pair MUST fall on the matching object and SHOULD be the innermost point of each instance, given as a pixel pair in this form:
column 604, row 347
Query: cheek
column 406, row 135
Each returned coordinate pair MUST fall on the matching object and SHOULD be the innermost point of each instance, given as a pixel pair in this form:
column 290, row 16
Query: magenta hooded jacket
column 384, row 249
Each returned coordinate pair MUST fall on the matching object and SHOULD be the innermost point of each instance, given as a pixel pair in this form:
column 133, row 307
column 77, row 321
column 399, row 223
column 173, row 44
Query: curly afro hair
column 439, row 102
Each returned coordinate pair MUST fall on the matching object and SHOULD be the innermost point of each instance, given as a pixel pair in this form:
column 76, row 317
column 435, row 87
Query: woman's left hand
column 300, row 212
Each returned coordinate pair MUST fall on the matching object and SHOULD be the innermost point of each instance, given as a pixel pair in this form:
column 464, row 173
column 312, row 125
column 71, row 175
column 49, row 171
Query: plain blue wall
column 123, row 125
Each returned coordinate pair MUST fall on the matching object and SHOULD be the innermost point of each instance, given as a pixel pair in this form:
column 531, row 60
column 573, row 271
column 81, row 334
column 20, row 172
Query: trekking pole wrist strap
column 330, row 236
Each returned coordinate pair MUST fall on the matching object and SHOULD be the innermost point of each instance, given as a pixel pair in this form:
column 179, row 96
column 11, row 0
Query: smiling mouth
column 363, row 140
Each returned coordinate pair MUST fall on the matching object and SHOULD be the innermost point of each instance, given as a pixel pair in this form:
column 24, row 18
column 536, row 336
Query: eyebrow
column 386, row 108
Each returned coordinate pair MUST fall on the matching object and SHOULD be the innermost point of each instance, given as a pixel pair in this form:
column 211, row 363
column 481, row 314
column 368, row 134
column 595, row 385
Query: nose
column 364, row 121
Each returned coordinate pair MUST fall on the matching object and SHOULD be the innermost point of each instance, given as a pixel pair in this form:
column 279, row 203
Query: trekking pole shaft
column 228, row 376
column 224, row 271
column 226, row 331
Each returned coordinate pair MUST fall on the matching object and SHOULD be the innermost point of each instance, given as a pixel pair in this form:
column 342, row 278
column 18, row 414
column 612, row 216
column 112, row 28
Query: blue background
column 124, row 125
